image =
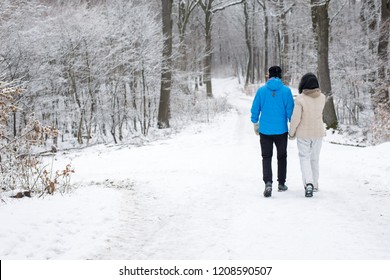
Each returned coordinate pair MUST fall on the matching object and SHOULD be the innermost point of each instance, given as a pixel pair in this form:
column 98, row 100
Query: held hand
column 291, row 137
column 256, row 128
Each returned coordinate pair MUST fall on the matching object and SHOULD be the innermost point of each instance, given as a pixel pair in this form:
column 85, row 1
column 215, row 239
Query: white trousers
column 309, row 156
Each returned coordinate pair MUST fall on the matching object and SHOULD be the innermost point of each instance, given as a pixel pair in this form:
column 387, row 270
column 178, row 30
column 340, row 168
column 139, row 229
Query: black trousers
column 267, row 144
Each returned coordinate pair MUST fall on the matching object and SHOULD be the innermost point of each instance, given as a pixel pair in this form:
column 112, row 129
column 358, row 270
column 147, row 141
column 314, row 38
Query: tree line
column 107, row 70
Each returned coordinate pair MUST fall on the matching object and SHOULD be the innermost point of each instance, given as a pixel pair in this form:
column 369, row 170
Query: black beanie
column 275, row 72
column 308, row 81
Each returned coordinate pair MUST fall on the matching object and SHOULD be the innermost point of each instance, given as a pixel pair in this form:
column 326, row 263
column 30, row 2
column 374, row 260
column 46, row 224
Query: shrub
column 20, row 167
column 381, row 127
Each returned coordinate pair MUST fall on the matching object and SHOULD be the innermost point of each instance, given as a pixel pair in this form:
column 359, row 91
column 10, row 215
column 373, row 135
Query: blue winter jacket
column 274, row 105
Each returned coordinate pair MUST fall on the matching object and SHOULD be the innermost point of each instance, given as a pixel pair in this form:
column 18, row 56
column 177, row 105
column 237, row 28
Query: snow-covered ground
column 198, row 195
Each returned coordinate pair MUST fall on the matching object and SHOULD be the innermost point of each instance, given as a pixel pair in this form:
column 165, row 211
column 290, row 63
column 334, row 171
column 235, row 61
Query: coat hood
column 274, row 83
column 314, row 93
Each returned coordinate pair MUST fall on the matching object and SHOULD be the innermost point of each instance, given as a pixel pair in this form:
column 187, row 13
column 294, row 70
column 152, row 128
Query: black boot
column 282, row 187
column 268, row 189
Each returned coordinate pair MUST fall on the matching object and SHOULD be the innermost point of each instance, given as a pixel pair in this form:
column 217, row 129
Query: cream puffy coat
column 306, row 120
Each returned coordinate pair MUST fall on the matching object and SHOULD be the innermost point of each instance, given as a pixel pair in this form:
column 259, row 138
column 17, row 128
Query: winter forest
column 98, row 71
column 145, row 104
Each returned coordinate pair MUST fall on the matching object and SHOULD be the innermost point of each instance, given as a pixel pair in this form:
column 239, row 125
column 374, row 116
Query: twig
column 16, row 139
column 346, row 144
column 336, row 14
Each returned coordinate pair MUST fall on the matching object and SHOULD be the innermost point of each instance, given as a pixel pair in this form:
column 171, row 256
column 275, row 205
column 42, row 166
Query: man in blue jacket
column 274, row 105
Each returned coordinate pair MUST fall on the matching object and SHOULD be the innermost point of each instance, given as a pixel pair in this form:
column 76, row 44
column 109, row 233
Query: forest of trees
column 102, row 71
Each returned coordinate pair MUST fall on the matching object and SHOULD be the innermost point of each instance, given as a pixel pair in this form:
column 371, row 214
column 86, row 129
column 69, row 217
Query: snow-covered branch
column 217, row 9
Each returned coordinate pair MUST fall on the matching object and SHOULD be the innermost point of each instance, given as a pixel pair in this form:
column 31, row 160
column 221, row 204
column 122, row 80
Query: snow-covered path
column 199, row 196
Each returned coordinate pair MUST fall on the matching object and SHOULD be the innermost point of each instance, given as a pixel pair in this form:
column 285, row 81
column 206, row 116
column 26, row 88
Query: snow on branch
column 261, row 3
column 319, row 3
column 217, row 9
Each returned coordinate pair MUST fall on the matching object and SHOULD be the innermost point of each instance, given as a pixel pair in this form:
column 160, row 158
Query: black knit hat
column 308, row 81
column 275, row 72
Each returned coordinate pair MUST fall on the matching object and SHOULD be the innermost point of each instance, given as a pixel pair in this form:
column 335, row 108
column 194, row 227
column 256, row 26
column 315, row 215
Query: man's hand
column 256, row 128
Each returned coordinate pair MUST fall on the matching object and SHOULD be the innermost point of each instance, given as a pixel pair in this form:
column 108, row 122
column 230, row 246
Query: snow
column 198, row 196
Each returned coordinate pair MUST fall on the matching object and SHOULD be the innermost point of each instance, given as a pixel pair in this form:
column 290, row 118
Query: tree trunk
column 320, row 22
column 252, row 37
column 284, row 44
column 266, row 31
column 185, row 8
column 248, row 45
column 182, row 23
column 14, row 124
column 209, row 11
column 381, row 95
column 80, row 129
column 368, row 20
column 145, row 103
column 208, row 50
column 166, row 70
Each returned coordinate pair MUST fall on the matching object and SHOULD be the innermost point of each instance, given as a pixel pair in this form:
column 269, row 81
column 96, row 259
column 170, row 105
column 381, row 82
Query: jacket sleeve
column 296, row 118
column 256, row 108
column 289, row 104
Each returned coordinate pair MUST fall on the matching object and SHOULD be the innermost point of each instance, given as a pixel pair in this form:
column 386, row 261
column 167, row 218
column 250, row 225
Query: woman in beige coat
column 307, row 126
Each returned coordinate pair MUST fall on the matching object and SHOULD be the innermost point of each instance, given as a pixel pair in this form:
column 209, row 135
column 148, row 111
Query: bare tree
column 382, row 93
column 249, row 44
column 166, row 70
column 210, row 7
column 320, row 21
column 368, row 18
column 284, row 39
column 263, row 4
column 186, row 7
